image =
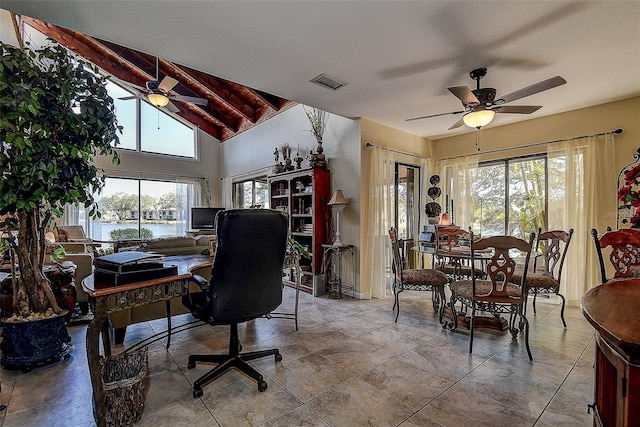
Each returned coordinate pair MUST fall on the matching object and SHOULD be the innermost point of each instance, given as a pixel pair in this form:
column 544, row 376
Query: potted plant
column 55, row 117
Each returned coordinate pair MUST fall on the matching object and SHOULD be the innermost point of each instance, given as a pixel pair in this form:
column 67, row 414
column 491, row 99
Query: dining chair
column 552, row 247
column 415, row 279
column 624, row 255
column 495, row 295
column 448, row 250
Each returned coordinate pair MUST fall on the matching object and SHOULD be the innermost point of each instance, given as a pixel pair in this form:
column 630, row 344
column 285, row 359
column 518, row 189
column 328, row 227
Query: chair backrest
column 448, row 236
column 502, row 264
column 625, row 252
column 246, row 276
column 396, row 258
column 554, row 245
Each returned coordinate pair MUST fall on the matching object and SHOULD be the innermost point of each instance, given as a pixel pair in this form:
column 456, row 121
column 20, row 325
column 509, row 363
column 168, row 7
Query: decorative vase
column 29, row 344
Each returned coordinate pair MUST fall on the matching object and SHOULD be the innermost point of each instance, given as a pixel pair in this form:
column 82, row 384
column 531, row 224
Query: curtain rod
column 370, row 145
column 617, row 131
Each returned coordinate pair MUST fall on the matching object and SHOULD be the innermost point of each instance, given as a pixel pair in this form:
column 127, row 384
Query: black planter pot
column 26, row 345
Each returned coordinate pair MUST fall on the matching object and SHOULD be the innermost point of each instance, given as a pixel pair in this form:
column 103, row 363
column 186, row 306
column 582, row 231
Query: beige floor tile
column 462, row 406
column 240, row 403
column 301, row 416
column 309, row 376
column 355, row 356
column 357, row 403
column 190, row 413
column 408, row 383
column 568, row 409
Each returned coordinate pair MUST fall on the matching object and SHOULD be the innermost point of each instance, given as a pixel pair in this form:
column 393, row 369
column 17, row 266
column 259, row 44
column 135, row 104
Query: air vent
column 328, row 82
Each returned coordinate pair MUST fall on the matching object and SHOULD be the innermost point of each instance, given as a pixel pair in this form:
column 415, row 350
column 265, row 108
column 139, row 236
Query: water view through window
column 133, row 208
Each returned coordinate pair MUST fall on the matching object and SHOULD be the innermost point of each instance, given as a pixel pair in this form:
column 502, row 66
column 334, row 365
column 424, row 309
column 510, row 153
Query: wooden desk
column 110, row 299
column 613, row 309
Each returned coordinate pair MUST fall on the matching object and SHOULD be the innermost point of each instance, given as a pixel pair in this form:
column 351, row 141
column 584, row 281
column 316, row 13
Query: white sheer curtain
column 227, row 192
column 581, row 193
column 380, row 218
column 188, row 194
column 459, row 176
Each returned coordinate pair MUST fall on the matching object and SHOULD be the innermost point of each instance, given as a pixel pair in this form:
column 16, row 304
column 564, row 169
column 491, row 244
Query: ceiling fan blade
column 167, row 84
column 126, row 83
column 124, row 98
column 191, row 99
column 433, row 115
column 464, row 94
column 517, row 109
column 457, row 124
column 171, row 107
column 532, row 89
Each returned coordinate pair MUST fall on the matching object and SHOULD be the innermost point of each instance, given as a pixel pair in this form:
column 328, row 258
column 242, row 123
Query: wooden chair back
column 625, row 252
column 448, row 236
column 502, row 264
column 554, row 245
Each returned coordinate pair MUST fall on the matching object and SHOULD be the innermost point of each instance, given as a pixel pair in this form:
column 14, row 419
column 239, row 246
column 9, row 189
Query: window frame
column 506, row 162
column 138, row 131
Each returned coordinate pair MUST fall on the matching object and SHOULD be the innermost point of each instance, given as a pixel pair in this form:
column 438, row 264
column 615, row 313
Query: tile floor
column 348, row 365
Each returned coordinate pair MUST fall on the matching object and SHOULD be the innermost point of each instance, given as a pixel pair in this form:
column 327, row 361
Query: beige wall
column 388, row 137
column 623, row 114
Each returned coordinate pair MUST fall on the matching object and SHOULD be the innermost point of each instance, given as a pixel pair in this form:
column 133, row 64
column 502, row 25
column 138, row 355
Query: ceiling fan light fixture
column 478, row 119
column 158, row 99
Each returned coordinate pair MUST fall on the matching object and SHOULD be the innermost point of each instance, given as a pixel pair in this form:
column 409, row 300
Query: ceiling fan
column 157, row 92
column 481, row 105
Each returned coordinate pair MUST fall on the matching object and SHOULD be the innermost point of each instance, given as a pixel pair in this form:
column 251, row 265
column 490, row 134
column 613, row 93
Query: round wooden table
column 613, row 309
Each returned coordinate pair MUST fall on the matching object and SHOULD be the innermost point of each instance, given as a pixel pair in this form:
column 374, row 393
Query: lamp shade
column 338, row 199
column 477, row 119
column 158, row 99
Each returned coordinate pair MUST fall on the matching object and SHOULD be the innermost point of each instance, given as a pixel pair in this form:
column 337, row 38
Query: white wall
column 251, row 153
column 155, row 166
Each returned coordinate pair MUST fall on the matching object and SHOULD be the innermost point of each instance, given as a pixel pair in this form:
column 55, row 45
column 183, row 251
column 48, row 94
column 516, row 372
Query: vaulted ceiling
column 231, row 108
column 398, row 57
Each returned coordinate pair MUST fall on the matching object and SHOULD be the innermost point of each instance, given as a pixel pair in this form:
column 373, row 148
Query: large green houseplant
column 55, row 117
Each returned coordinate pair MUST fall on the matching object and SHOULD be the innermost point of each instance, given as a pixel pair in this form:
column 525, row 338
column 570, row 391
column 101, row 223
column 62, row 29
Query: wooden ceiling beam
column 116, row 65
column 232, row 108
column 215, row 88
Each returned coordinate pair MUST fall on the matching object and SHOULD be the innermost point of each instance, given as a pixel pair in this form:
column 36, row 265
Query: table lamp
column 337, row 203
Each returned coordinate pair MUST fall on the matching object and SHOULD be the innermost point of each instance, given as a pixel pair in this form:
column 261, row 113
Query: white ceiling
column 398, row 57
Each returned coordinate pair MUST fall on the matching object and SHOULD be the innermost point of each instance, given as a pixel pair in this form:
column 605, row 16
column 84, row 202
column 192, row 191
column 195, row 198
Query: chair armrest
column 202, row 283
column 199, row 303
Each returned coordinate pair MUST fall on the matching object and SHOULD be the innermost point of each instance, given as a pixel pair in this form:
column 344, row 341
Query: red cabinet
column 614, row 311
column 303, row 194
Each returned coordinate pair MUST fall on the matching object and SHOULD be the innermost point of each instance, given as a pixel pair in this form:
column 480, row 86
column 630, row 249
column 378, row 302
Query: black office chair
column 245, row 284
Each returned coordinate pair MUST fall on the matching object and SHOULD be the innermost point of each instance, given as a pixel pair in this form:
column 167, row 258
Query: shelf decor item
column 433, row 208
column 318, row 120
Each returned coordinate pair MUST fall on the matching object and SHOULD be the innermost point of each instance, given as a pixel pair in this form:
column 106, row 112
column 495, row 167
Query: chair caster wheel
column 262, row 386
column 191, row 365
column 278, row 357
column 197, row 392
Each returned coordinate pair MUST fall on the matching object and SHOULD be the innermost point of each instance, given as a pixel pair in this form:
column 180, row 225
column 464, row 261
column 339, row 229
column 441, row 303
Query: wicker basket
column 124, row 383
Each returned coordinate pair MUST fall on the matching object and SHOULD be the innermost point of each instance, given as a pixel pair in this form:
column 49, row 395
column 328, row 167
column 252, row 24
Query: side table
column 334, row 275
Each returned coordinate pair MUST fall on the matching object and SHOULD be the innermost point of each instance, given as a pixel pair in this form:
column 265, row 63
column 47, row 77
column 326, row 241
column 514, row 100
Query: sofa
column 181, row 245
